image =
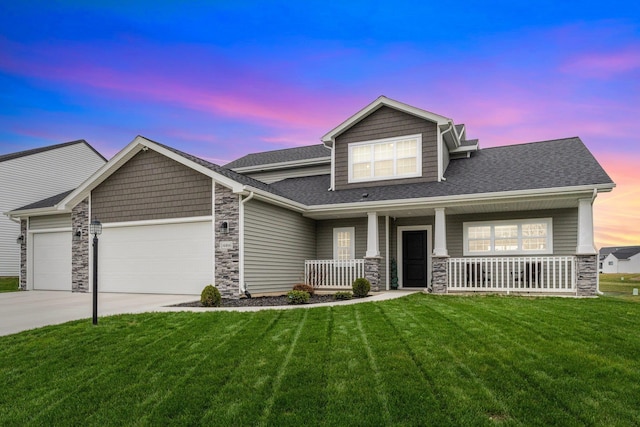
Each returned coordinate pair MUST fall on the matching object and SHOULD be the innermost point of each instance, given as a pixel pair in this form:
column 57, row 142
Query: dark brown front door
column 414, row 259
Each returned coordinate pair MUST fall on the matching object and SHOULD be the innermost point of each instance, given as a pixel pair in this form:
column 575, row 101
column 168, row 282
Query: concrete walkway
column 21, row 311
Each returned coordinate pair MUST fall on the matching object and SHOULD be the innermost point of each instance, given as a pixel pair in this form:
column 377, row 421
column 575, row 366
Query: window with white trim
column 511, row 237
column 344, row 243
column 389, row 158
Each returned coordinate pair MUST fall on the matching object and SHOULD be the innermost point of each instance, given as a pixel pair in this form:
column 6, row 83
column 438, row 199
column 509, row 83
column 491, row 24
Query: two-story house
column 394, row 193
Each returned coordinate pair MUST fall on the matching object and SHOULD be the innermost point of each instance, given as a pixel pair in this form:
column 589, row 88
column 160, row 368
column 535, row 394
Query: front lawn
column 8, row 284
column 418, row 360
column 620, row 285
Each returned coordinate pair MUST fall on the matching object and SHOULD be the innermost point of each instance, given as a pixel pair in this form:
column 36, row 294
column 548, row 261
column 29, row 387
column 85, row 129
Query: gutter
column 243, row 287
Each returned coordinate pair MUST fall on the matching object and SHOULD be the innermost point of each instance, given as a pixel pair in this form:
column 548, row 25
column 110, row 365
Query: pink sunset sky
column 220, row 80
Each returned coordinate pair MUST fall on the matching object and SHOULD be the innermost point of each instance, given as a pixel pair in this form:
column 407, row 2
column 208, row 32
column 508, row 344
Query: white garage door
column 159, row 259
column 52, row 261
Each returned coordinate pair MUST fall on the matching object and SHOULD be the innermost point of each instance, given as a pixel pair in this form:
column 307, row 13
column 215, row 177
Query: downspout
column 243, row 286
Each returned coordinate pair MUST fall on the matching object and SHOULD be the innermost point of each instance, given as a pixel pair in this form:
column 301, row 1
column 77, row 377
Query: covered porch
column 549, row 251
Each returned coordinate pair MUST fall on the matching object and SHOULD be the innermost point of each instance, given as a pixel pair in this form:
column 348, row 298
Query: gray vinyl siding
column 278, row 175
column 387, row 123
column 50, row 221
column 276, row 244
column 28, row 179
column 151, row 186
column 325, row 239
column 564, row 223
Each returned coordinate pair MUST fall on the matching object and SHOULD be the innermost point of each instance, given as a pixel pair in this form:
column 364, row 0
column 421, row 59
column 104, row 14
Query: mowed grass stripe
column 379, row 387
column 305, row 375
column 443, row 348
column 275, row 389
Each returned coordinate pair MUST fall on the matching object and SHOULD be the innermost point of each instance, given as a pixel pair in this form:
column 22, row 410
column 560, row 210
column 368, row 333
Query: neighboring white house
column 623, row 259
column 29, row 176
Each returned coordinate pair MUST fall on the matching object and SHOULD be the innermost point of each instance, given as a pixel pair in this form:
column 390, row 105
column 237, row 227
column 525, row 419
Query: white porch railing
column 517, row 274
column 329, row 273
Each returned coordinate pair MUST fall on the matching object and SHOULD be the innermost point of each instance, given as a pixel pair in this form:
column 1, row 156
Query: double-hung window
column 344, row 243
column 388, row 158
column 512, row 237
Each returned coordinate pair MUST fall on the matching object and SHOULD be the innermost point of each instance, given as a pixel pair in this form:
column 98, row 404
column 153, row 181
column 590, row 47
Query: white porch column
column 585, row 227
column 373, row 247
column 440, row 234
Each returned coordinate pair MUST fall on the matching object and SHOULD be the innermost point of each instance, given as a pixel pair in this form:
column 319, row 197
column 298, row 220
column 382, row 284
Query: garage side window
column 344, row 243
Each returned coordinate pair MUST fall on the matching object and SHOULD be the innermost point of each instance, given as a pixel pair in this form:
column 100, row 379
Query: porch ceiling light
column 95, row 227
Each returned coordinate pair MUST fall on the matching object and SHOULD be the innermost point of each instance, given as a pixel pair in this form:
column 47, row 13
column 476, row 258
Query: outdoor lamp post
column 95, row 228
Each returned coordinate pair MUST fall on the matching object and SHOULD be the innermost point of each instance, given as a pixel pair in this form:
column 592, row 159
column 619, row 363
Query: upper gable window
column 388, row 158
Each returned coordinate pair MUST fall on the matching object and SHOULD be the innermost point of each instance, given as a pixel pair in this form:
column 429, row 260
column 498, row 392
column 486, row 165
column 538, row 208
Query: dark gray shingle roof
column 625, row 252
column 280, row 156
column 19, row 154
column 46, row 203
column 547, row 164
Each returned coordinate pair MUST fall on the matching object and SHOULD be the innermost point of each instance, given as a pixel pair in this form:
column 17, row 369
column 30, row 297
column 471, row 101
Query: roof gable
column 375, row 105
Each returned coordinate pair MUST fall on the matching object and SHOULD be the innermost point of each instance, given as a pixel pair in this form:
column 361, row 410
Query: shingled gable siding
column 387, row 123
column 565, row 228
column 277, row 242
column 151, row 186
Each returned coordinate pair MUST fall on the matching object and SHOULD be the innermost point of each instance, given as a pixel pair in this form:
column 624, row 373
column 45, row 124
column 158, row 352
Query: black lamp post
column 95, row 228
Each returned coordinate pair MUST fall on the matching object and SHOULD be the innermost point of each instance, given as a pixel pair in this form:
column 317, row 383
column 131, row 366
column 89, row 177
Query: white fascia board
column 383, row 101
column 50, row 210
column 133, row 148
column 283, row 165
column 275, row 199
column 466, row 199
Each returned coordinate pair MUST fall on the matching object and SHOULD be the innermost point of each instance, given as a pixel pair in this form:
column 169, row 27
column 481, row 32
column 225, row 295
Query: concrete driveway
column 20, row 311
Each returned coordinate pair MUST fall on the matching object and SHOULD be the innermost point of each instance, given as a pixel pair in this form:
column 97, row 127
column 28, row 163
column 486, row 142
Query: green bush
column 210, row 296
column 298, row 297
column 361, row 287
column 304, row 287
column 343, row 295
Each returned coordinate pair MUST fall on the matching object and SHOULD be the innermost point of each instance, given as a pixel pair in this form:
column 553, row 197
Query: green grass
column 8, row 284
column 418, row 360
column 620, row 285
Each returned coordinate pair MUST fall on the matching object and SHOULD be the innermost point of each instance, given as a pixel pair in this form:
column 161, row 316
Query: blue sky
column 222, row 79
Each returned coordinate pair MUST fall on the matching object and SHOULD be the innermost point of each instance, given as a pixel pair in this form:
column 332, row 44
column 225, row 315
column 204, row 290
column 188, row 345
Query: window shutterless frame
column 385, row 159
column 532, row 236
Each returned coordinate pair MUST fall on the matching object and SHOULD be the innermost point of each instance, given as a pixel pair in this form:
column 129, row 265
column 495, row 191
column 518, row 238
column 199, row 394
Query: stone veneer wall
column 587, row 275
column 227, row 259
column 80, row 247
column 23, row 255
column 439, row 274
column 372, row 272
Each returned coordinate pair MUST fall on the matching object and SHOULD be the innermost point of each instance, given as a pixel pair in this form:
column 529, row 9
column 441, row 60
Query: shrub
column 298, row 297
column 361, row 287
column 343, row 295
column 210, row 296
column 304, row 287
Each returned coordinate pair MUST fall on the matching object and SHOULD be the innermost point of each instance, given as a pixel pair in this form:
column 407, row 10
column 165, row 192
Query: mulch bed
column 260, row 301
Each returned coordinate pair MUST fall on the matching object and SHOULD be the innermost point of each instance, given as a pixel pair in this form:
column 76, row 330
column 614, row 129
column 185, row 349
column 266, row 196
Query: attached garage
column 51, row 267
column 175, row 258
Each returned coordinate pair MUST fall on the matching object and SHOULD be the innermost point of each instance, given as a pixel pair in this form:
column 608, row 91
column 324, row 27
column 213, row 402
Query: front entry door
column 414, row 259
